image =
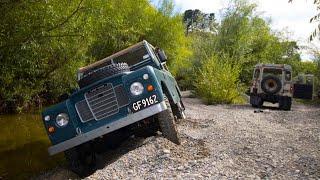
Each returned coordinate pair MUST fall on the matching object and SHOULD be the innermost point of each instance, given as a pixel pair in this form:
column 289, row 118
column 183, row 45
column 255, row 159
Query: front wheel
column 81, row 160
column 180, row 111
column 167, row 124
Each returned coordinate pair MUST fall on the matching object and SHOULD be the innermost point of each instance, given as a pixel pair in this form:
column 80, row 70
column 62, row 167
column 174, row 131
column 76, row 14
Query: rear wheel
column 285, row 103
column 167, row 124
column 256, row 101
column 81, row 159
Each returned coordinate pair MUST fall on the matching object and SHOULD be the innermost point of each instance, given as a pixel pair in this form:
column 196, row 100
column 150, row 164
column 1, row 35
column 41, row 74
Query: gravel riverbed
column 221, row 142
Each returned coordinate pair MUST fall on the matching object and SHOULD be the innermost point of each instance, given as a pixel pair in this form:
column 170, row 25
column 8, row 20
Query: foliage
column 43, row 43
column 201, row 44
column 243, row 39
column 195, row 20
column 248, row 39
column 316, row 68
column 218, row 81
column 307, row 67
column 38, row 42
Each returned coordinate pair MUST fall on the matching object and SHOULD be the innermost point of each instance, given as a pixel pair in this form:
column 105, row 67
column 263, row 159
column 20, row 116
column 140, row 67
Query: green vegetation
column 223, row 60
column 43, row 43
column 224, row 87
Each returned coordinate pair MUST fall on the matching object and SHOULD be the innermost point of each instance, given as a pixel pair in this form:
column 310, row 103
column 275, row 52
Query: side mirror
column 162, row 55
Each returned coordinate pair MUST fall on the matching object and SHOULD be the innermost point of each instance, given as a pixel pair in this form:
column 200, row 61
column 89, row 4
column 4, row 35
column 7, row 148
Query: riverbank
column 23, row 147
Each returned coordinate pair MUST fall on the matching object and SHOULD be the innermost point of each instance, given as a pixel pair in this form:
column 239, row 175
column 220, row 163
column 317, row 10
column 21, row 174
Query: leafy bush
column 43, row 43
column 218, row 81
column 223, row 59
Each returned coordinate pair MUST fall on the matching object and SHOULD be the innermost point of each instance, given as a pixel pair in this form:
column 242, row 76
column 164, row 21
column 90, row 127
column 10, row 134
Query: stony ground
column 222, row 142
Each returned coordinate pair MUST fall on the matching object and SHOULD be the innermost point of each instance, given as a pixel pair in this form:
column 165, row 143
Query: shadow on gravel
column 271, row 108
column 249, row 107
column 106, row 155
column 110, row 155
column 240, row 107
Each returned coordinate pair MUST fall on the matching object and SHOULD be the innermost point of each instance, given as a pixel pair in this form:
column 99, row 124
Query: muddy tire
column 178, row 111
column 285, row 103
column 81, row 160
column 256, row 101
column 103, row 72
column 180, row 114
column 167, row 124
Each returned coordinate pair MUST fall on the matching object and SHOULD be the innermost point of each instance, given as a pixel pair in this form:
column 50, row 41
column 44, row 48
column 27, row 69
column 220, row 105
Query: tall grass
column 218, row 81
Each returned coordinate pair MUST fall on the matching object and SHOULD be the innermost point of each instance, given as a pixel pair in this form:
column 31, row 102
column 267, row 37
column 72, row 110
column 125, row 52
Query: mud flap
column 303, row 91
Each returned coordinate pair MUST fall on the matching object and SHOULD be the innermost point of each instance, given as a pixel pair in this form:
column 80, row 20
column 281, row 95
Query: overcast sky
column 292, row 17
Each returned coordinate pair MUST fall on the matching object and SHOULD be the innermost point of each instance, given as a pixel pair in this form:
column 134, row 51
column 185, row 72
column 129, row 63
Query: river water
column 23, row 147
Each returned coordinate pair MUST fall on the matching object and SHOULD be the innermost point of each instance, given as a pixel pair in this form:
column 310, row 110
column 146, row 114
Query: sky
column 290, row 17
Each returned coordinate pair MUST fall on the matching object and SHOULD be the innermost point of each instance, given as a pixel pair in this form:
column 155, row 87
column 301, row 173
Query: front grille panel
column 102, row 101
column 84, row 111
column 108, row 112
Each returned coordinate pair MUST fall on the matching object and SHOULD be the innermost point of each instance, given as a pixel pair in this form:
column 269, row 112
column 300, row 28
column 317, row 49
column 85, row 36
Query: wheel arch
column 165, row 90
column 168, row 93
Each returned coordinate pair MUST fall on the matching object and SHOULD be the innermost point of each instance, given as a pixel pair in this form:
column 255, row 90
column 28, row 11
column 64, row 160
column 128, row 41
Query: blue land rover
column 130, row 92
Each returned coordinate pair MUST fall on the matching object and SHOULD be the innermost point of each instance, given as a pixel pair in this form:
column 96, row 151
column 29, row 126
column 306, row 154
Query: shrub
column 39, row 61
column 218, row 81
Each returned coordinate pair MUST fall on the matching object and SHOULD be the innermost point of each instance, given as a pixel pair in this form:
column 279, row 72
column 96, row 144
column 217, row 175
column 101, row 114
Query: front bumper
column 130, row 119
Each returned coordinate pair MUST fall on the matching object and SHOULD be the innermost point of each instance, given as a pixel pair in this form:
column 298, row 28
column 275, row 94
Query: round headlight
column 136, row 88
column 145, row 76
column 62, row 119
column 47, row 118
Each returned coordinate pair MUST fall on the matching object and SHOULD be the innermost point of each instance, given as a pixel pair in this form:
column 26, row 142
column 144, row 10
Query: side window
column 288, row 76
column 256, row 73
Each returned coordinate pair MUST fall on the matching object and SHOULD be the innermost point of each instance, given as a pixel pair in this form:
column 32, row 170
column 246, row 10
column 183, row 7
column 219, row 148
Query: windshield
column 133, row 57
column 272, row 71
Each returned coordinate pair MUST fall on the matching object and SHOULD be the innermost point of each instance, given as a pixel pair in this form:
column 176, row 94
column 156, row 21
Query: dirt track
column 223, row 141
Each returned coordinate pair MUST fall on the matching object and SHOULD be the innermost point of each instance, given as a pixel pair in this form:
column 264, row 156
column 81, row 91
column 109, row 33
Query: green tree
column 218, row 81
column 195, row 20
column 248, row 39
column 38, row 42
column 43, row 43
column 243, row 39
